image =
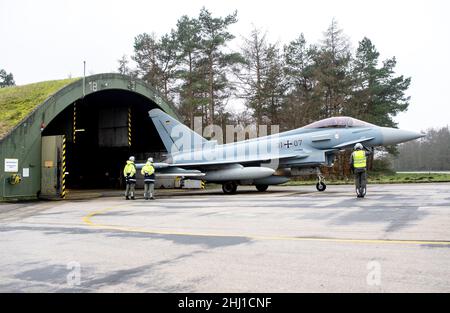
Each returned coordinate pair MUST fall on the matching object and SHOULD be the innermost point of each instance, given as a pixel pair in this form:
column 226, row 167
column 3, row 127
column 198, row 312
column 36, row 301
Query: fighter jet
column 267, row 160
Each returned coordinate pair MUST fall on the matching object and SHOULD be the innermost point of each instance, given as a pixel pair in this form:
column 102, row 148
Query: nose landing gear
column 320, row 186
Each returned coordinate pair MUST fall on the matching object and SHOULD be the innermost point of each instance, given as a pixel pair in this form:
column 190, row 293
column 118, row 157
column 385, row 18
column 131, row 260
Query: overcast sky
column 45, row 40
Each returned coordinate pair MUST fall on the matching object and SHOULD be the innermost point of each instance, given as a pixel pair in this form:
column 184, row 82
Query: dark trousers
column 360, row 178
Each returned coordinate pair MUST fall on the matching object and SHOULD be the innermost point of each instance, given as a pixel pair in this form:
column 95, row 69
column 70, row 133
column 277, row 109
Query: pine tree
column 168, row 48
column 255, row 52
column 6, row 79
column 123, row 65
column 300, row 108
column 262, row 78
column 216, row 62
column 157, row 61
column 274, row 85
column 145, row 55
column 192, row 84
column 377, row 94
column 332, row 71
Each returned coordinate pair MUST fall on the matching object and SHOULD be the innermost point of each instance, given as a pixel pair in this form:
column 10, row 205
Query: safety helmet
column 358, row 146
column 150, row 160
column 131, row 158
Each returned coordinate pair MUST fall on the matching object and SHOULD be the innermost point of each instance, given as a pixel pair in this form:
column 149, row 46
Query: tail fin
column 175, row 136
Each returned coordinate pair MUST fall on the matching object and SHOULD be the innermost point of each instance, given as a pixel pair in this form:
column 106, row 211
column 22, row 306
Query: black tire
column 321, row 186
column 229, row 188
column 361, row 192
column 261, row 188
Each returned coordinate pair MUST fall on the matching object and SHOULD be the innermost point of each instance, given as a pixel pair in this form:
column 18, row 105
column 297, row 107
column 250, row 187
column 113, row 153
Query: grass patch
column 17, row 102
column 376, row 178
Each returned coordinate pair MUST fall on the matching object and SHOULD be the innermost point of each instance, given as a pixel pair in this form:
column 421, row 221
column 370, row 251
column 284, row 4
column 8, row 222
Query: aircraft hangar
column 78, row 137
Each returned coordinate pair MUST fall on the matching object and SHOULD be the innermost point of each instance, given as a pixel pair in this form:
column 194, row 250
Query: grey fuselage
column 299, row 147
column 256, row 160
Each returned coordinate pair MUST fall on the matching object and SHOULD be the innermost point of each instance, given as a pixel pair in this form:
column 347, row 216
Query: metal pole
column 84, row 78
column 74, row 122
column 63, row 185
column 129, row 126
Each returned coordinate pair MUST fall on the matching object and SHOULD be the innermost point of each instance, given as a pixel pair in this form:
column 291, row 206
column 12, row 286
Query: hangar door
column 53, row 159
column 102, row 130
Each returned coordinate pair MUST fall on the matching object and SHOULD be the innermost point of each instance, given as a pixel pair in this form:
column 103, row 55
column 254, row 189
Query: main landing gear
column 320, row 186
column 229, row 188
column 261, row 188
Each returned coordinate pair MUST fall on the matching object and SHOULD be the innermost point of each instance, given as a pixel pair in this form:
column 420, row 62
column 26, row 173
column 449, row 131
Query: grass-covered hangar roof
column 16, row 102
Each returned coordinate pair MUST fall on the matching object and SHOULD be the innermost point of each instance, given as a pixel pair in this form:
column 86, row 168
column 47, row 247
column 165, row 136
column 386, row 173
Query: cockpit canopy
column 339, row 122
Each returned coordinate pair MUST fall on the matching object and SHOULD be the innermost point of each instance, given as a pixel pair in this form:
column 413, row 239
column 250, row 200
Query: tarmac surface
column 288, row 239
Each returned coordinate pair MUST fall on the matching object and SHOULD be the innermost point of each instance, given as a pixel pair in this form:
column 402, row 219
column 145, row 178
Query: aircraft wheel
column 262, row 188
column 321, row 186
column 229, row 188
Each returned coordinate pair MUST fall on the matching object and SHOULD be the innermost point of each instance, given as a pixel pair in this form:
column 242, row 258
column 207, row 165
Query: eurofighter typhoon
column 268, row 160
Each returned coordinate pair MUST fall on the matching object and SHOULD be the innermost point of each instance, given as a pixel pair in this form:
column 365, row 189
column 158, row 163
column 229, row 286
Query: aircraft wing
column 156, row 166
column 177, row 171
column 168, row 170
column 219, row 163
column 191, row 169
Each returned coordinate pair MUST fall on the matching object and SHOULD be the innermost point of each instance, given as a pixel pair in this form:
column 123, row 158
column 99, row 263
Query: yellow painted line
column 88, row 220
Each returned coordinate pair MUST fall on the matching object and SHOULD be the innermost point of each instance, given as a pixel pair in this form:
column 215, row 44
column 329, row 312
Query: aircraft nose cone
column 392, row 136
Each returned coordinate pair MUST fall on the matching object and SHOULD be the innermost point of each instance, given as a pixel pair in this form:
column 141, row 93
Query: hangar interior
column 97, row 129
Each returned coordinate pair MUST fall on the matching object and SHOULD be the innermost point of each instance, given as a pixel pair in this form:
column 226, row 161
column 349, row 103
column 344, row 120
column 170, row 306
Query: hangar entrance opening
column 101, row 131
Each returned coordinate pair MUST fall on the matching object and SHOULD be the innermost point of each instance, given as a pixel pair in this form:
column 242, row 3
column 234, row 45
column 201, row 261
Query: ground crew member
column 358, row 163
column 130, row 177
column 148, row 171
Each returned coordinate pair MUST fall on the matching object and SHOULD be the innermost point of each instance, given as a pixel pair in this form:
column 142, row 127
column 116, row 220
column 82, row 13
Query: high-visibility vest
column 130, row 169
column 359, row 159
column 149, row 173
column 148, row 169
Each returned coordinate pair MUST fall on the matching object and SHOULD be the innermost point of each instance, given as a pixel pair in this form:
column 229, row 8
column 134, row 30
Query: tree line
column 6, row 79
column 290, row 85
column 432, row 153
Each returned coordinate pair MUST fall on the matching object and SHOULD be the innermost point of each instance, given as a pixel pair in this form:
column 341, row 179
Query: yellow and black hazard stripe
column 63, row 181
column 203, row 184
column 74, row 122
column 129, row 126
